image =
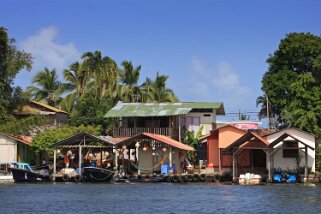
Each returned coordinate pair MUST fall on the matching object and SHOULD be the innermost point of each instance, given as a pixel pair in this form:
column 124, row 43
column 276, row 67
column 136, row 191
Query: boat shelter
column 150, row 151
column 279, row 144
column 81, row 141
column 253, row 141
column 249, row 141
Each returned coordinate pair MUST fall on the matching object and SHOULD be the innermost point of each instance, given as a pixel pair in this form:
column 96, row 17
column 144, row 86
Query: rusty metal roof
column 160, row 138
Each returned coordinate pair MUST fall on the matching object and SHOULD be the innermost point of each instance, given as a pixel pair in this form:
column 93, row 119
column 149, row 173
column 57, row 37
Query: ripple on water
column 158, row 198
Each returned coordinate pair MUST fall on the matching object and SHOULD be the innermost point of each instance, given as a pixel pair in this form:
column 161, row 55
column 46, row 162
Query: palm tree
column 129, row 77
column 156, row 90
column 49, row 87
column 77, row 78
column 262, row 101
column 104, row 71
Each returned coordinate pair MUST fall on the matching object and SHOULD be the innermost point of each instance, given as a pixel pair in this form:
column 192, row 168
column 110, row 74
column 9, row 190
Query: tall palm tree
column 49, row 87
column 77, row 78
column 129, row 77
column 104, row 71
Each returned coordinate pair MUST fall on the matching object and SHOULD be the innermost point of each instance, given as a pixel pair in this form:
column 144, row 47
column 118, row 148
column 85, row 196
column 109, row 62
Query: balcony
column 128, row 132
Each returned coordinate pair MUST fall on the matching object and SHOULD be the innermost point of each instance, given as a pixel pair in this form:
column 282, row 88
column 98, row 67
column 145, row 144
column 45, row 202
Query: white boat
column 5, row 174
column 250, row 179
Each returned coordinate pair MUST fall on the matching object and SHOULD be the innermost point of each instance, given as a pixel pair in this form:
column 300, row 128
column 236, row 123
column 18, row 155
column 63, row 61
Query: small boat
column 96, row 174
column 22, row 172
column 250, row 179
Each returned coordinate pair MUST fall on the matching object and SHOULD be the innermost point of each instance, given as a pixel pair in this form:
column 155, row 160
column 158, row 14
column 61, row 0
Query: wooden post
column 137, row 161
column 234, row 173
column 101, row 157
column 179, row 129
column 55, row 162
column 170, row 160
column 80, row 159
column 116, row 159
column 306, row 165
column 219, row 160
column 269, row 156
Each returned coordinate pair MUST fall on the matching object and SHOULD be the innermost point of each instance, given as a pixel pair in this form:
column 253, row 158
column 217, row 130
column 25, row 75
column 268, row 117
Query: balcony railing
column 128, row 132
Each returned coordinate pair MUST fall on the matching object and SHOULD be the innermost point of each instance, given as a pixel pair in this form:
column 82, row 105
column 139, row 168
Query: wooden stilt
column 55, row 165
column 306, row 164
column 234, row 165
column 170, row 160
column 80, row 159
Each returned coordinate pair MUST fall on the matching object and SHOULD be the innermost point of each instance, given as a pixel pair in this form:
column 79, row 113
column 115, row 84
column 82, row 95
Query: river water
column 158, row 198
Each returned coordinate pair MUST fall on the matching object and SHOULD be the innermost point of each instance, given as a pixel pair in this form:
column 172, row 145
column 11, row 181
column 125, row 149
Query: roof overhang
column 160, row 138
column 84, row 140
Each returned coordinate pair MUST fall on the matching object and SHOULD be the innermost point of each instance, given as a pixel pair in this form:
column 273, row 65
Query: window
column 293, row 150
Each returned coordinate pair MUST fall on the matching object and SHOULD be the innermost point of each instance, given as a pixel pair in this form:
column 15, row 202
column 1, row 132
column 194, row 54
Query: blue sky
column 212, row 50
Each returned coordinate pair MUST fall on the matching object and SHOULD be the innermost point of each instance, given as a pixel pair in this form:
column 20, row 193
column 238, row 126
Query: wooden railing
column 128, row 132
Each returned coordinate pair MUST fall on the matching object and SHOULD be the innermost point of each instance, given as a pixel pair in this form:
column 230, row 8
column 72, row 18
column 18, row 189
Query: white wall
column 145, row 158
column 7, row 149
column 206, row 122
column 290, row 163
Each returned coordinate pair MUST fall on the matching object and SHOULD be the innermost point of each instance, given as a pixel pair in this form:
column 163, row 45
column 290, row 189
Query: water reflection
column 158, row 198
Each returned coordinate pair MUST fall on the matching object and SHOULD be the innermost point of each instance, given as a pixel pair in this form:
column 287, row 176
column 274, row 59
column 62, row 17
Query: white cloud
column 226, row 80
column 48, row 52
column 217, row 83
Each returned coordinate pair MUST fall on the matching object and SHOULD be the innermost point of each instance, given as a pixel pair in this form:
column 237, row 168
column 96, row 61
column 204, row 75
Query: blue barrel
column 291, row 178
column 277, row 178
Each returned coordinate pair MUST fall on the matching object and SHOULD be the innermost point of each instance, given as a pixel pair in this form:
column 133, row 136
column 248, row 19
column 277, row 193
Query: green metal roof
column 160, row 109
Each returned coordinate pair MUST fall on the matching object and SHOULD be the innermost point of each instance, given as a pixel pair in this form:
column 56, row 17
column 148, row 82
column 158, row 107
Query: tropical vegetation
column 292, row 83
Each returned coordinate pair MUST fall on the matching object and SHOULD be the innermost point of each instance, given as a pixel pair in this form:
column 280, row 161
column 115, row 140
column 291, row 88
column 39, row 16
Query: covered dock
column 149, row 151
column 80, row 142
column 253, row 141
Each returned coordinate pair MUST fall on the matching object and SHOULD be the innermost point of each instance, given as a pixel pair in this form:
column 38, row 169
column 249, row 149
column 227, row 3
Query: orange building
column 219, row 139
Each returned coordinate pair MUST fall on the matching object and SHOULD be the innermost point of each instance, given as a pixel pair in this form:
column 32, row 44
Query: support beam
column 179, row 129
column 234, row 165
column 219, row 160
column 306, row 164
column 55, row 162
column 80, row 159
column 116, row 159
column 170, row 161
column 137, row 160
column 269, row 156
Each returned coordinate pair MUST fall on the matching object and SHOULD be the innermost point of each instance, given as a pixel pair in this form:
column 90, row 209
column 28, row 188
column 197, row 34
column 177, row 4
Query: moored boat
column 250, row 179
column 5, row 174
column 22, row 172
column 96, row 174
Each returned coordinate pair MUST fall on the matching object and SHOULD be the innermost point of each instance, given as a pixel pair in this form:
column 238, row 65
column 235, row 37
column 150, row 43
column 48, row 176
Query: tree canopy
column 292, row 82
column 11, row 62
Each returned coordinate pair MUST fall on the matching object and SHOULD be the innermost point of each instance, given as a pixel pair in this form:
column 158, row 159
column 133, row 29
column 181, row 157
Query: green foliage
column 49, row 87
column 90, row 111
column 292, row 82
column 45, row 139
column 192, row 140
column 22, row 126
column 11, row 62
column 156, row 90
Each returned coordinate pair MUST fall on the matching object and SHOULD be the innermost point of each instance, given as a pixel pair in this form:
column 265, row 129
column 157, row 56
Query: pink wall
column 221, row 138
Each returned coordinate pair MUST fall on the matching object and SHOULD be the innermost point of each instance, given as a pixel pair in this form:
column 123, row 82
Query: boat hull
column 21, row 175
column 95, row 174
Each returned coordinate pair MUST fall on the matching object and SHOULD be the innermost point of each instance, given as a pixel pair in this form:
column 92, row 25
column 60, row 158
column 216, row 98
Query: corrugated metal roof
column 160, row 109
column 160, row 138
